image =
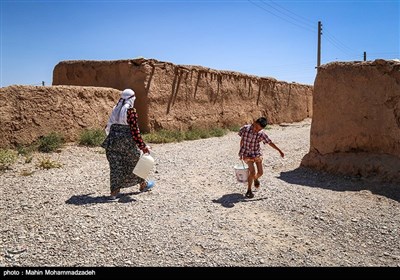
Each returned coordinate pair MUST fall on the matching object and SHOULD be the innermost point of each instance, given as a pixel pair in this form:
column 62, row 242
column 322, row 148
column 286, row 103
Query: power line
column 298, row 24
column 305, row 21
column 286, row 15
column 338, row 44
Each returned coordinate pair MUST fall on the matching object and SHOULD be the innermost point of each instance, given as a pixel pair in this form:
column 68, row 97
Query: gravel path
column 197, row 214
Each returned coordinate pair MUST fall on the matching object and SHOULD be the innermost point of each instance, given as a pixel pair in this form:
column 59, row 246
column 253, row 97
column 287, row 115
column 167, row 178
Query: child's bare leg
column 250, row 178
column 259, row 174
column 250, row 182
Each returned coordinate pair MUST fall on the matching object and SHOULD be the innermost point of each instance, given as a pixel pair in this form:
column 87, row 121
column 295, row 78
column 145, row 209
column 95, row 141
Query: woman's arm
column 134, row 126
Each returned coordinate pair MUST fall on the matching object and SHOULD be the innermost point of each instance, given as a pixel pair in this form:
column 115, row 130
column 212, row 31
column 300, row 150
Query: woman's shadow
column 89, row 199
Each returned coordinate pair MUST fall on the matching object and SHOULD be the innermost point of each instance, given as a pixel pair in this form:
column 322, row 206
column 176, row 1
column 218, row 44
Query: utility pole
column 319, row 44
column 365, row 56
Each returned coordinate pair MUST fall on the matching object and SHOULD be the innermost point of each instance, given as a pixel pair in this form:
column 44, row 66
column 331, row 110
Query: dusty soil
column 197, row 214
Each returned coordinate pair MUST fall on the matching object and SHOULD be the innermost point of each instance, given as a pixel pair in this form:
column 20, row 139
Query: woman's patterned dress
column 122, row 150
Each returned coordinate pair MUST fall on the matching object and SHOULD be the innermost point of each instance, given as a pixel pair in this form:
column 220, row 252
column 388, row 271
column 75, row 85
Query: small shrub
column 92, row 137
column 7, row 158
column 50, row 143
column 28, row 159
column 26, row 172
column 47, row 163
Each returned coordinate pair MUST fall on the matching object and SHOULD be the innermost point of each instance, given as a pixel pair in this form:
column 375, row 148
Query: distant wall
column 28, row 112
column 356, row 119
column 182, row 96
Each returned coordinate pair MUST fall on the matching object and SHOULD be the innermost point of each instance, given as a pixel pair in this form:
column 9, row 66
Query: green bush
column 196, row 133
column 26, row 150
column 168, row 136
column 217, row 132
column 51, row 142
column 92, row 137
column 7, row 158
column 164, row 136
column 234, row 127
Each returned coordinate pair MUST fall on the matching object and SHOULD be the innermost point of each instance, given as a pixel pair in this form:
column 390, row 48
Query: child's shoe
column 249, row 194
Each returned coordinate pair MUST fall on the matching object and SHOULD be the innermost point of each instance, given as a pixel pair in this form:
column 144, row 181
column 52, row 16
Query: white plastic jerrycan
column 144, row 166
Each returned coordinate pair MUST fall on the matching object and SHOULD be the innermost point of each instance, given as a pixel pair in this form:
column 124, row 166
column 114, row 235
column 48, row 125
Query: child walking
column 250, row 150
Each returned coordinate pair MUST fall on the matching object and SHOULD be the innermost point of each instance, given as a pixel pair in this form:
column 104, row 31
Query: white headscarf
column 119, row 112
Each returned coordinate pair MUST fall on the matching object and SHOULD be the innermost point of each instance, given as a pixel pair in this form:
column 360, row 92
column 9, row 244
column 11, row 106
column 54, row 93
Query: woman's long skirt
column 122, row 154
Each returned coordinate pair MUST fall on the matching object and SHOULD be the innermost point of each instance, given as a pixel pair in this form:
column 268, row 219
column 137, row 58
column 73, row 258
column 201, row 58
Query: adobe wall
column 28, row 112
column 168, row 96
column 183, row 96
column 356, row 119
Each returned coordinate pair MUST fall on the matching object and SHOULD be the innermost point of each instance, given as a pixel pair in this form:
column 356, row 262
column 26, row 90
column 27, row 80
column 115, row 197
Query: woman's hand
column 146, row 150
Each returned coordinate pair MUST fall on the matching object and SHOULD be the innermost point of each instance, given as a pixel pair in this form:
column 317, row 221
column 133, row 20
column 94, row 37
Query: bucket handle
column 243, row 164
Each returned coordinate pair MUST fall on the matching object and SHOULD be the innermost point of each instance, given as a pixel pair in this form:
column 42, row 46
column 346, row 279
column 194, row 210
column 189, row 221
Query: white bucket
column 144, row 166
column 242, row 173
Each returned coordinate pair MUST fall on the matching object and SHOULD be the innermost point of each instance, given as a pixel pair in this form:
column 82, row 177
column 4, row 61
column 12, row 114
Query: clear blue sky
column 265, row 38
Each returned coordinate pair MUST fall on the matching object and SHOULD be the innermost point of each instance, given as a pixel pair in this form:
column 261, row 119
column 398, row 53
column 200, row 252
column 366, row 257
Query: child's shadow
column 88, row 199
column 229, row 200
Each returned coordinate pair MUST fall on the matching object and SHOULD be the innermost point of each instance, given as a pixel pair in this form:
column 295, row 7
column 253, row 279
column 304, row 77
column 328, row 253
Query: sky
column 275, row 39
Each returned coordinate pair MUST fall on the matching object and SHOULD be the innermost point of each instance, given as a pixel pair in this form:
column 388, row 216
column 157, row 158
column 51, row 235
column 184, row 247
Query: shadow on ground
column 319, row 179
column 89, row 199
column 229, row 200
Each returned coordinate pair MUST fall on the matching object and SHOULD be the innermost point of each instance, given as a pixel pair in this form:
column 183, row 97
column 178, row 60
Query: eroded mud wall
column 28, row 112
column 356, row 119
column 182, row 97
column 168, row 96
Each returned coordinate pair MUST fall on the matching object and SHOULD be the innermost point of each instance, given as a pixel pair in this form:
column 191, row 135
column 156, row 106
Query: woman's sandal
column 256, row 183
column 149, row 185
column 115, row 195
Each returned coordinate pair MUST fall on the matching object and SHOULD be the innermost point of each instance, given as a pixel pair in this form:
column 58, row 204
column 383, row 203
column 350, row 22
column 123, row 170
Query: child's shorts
column 255, row 159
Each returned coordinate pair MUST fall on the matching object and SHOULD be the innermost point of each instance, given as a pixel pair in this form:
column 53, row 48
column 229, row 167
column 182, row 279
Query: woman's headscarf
column 119, row 112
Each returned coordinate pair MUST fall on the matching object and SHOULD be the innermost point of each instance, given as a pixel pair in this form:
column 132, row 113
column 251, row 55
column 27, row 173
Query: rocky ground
column 197, row 214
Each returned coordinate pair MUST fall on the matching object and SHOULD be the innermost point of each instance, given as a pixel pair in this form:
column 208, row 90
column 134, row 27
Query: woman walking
column 123, row 144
